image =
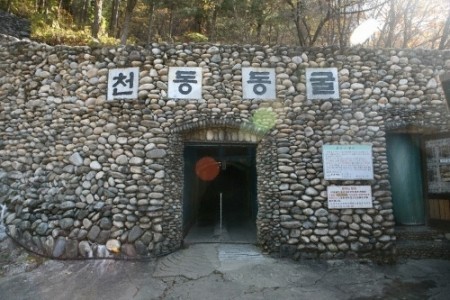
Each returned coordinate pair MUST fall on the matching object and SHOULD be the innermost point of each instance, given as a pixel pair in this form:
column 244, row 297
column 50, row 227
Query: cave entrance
column 220, row 206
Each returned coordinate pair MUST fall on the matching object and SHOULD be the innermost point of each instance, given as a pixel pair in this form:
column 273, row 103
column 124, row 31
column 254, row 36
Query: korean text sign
column 123, row 83
column 350, row 196
column 322, row 83
column 185, row 83
column 259, row 83
column 347, row 162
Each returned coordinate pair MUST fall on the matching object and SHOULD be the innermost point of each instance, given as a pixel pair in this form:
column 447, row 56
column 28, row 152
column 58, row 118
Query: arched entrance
column 221, row 208
column 251, row 161
column 220, row 204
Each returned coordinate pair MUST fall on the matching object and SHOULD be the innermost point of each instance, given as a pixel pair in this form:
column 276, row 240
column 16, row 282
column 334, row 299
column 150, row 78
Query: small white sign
column 350, row 196
column 259, row 83
column 322, row 83
column 444, row 160
column 347, row 162
column 123, row 83
column 185, row 83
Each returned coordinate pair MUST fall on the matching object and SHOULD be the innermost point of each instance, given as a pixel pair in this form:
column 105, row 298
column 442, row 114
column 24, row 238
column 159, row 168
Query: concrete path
column 242, row 232
column 224, row 271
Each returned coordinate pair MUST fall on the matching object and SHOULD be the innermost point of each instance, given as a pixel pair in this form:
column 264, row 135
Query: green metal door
column 405, row 170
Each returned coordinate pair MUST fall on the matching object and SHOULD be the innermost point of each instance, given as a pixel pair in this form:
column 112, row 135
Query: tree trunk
column 125, row 29
column 114, row 18
column 270, row 34
column 259, row 26
column 200, row 21
column 212, row 30
column 75, row 10
column 85, row 12
column 296, row 7
column 300, row 30
column 8, row 6
column 301, row 25
column 344, row 26
column 126, row 24
column 97, row 18
column 40, row 6
column 391, row 26
column 445, row 34
column 407, row 16
column 170, row 24
column 151, row 12
column 60, row 5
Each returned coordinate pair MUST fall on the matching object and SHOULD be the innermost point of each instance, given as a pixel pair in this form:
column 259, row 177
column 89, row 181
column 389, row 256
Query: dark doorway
column 224, row 208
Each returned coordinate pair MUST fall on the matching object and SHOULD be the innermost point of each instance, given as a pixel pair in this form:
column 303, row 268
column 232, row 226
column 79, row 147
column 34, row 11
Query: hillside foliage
column 306, row 23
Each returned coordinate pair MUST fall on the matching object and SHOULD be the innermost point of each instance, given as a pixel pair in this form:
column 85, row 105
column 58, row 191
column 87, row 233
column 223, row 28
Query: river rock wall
column 85, row 177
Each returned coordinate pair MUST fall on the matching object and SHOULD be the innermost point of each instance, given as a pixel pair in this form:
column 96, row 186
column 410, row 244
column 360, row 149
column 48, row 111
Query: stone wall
column 86, row 177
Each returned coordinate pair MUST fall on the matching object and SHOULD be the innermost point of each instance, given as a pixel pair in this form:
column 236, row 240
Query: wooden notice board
column 439, row 209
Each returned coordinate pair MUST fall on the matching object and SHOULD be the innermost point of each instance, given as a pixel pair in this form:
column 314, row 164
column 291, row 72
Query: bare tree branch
column 444, row 43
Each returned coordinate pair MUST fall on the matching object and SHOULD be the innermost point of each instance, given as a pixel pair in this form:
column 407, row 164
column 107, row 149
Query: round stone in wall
column 95, row 165
column 113, row 246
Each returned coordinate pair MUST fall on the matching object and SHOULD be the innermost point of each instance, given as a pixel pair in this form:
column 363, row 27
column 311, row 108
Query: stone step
column 421, row 242
column 420, row 249
column 420, row 233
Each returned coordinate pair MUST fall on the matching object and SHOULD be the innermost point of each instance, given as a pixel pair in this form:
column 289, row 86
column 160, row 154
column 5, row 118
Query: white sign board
column 351, row 196
column 322, row 83
column 259, row 83
column 123, row 83
column 185, row 83
column 347, row 162
column 444, row 160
